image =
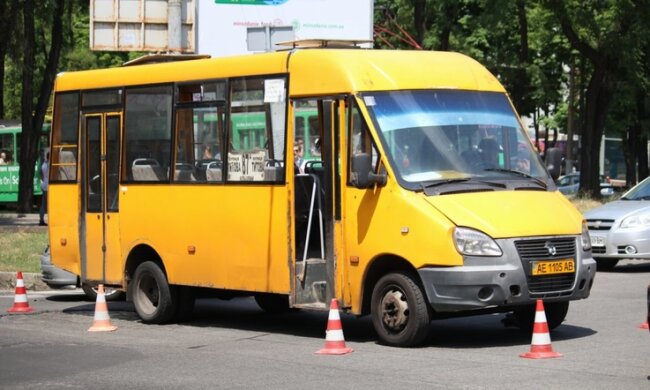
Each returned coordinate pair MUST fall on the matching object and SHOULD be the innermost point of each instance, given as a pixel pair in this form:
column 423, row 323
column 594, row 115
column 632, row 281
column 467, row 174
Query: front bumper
column 612, row 244
column 54, row 276
column 505, row 281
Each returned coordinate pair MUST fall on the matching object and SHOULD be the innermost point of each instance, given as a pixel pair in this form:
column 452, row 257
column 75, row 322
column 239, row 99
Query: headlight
column 586, row 240
column 474, row 243
column 637, row 220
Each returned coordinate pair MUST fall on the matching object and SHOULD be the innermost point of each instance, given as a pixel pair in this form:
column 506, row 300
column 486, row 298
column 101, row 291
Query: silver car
column 621, row 229
column 570, row 184
column 57, row 278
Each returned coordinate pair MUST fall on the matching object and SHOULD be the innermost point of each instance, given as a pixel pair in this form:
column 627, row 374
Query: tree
column 34, row 107
column 607, row 34
column 8, row 19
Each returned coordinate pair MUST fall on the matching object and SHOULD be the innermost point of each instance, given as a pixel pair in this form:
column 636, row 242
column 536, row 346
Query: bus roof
column 313, row 71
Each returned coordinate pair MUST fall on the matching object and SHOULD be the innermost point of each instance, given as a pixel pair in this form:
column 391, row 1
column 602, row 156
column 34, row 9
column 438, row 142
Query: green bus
column 10, row 132
column 249, row 130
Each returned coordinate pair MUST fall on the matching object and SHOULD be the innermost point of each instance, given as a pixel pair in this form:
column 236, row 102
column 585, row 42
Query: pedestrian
column 44, row 186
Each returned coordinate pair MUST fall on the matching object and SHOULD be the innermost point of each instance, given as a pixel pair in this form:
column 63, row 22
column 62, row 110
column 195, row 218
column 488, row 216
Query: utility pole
column 174, row 29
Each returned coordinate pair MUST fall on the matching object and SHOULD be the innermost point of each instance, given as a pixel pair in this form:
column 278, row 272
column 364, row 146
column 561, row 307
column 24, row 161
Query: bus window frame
column 191, row 105
column 232, row 81
column 125, row 173
column 52, row 164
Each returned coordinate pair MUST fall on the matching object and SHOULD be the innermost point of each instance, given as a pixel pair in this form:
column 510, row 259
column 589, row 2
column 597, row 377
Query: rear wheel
column 555, row 313
column 605, row 264
column 154, row 299
column 272, row 303
column 400, row 313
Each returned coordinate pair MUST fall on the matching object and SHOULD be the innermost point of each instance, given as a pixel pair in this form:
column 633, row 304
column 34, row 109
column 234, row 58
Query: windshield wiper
column 471, row 181
column 537, row 180
column 438, row 183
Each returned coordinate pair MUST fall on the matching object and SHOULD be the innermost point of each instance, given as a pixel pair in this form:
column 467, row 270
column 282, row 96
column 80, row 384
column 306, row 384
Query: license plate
column 553, row 267
column 597, row 241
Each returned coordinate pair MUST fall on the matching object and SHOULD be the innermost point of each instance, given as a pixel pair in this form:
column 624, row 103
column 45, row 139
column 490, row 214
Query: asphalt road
column 234, row 345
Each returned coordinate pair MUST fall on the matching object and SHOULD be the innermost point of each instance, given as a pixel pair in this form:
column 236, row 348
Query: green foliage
column 21, row 251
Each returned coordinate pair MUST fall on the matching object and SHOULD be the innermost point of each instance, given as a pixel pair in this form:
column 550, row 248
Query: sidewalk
column 32, row 281
column 20, row 222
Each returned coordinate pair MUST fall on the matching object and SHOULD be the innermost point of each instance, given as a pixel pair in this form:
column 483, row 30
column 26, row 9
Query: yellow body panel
column 94, row 256
column 63, row 221
column 239, row 233
column 313, row 72
column 505, row 214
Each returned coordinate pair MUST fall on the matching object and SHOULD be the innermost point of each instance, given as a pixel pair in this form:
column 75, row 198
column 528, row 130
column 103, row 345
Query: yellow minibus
column 421, row 198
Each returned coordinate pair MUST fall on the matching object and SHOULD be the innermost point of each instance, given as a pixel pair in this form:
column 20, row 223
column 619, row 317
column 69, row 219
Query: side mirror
column 553, row 157
column 362, row 175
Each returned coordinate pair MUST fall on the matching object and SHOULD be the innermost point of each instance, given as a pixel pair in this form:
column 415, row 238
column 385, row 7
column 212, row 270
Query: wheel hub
column 394, row 310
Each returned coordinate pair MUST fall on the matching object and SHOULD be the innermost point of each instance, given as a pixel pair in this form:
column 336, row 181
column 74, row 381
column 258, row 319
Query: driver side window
column 359, row 140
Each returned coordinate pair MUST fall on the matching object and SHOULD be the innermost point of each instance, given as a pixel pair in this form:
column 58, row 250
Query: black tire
column 110, row 294
column 154, row 299
column 555, row 313
column 273, row 303
column 400, row 312
column 185, row 306
column 606, row 264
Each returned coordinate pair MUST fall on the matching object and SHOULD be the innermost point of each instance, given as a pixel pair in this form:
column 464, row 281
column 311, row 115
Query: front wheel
column 400, row 313
column 606, row 264
column 555, row 313
column 154, row 299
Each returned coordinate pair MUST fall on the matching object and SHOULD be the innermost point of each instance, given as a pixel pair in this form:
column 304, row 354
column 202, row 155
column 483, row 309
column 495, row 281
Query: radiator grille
column 598, row 250
column 547, row 249
column 600, row 224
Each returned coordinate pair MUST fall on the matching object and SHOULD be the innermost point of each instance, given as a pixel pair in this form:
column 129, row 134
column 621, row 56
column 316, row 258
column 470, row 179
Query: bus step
column 312, row 306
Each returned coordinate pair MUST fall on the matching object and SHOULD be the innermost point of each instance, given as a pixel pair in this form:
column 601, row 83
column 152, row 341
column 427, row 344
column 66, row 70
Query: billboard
column 222, row 25
column 142, row 25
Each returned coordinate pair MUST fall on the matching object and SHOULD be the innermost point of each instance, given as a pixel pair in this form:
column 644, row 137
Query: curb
column 33, row 281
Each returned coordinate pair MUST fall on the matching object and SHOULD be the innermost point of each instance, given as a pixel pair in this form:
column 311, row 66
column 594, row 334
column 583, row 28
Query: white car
column 621, row 229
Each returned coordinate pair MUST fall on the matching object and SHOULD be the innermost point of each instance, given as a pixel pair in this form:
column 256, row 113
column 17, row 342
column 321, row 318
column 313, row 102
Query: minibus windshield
column 433, row 137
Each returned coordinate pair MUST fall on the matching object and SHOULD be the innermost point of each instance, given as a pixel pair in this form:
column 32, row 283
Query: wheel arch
column 379, row 267
column 138, row 255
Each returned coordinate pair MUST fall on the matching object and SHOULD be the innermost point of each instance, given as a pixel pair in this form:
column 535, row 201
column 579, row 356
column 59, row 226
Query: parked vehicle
column 57, row 278
column 621, row 229
column 570, row 184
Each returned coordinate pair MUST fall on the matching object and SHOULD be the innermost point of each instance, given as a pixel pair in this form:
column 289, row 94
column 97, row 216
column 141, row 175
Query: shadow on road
column 630, row 266
column 243, row 314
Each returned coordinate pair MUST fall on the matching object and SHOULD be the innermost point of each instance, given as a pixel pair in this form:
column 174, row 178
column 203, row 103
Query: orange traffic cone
column 102, row 322
column 20, row 300
column 541, row 344
column 334, row 340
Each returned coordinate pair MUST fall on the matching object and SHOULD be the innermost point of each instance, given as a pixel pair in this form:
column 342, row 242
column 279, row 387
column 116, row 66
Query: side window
column 256, row 132
column 147, row 134
column 199, row 132
column 6, row 149
column 199, row 146
column 359, row 140
column 306, row 138
column 65, row 138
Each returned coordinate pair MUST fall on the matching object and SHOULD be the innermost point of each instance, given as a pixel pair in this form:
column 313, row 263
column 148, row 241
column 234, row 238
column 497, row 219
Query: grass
column 21, row 251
